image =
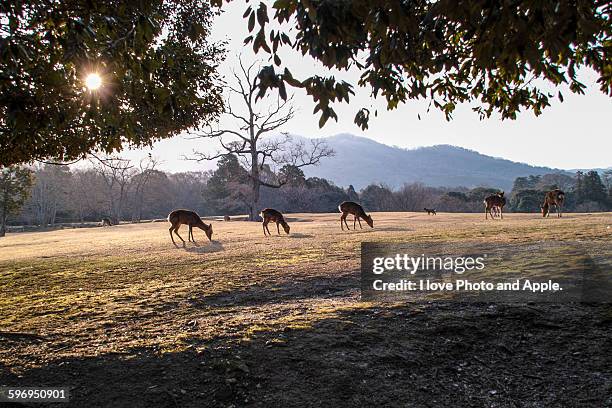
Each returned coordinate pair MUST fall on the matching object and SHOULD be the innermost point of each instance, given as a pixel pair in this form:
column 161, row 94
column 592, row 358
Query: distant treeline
column 125, row 191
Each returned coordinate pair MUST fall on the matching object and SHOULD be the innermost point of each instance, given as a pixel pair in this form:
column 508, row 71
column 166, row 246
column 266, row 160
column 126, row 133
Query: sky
column 569, row 135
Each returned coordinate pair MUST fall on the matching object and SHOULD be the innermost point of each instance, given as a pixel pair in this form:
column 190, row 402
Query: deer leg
column 359, row 219
column 501, row 212
column 264, row 225
column 192, row 237
column 355, row 222
column 190, row 233
column 177, row 234
column 172, row 237
column 486, row 213
column 342, row 218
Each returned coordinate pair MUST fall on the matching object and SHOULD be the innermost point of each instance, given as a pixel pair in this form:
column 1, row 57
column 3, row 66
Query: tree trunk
column 254, row 207
column 254, row 216
column 3, row 223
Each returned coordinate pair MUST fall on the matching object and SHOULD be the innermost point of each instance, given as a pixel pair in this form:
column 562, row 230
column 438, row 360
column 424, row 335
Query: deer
column 106, row 222
column 430, row 211
column 555, row 197
column 190, row 218
column 497, row 201
column 270, row 214
column 350, row 207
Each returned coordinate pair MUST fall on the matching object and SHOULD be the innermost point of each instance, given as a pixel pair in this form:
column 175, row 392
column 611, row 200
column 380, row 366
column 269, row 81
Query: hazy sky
column 572, row 134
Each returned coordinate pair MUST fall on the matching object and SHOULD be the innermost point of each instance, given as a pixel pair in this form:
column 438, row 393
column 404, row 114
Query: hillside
column 360, row 161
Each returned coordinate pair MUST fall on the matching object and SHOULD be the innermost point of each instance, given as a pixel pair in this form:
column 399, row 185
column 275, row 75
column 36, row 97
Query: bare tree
column 140, row 181
column 116, row 173
column 50, row 192
column 258, row 119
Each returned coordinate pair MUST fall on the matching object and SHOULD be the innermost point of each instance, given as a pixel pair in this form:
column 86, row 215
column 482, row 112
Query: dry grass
column 96, row 280
column 90, row 292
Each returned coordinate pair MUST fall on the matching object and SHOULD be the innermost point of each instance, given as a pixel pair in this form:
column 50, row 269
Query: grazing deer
column 350, row 207
column 106, row 222
column 270, row 214
column 556, row 198
column 190, row 218
column 226, row 218
column 495, row 201
column 430, row 211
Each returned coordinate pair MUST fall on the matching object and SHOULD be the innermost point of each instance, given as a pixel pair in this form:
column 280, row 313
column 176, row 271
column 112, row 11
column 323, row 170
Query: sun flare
column 93, row 81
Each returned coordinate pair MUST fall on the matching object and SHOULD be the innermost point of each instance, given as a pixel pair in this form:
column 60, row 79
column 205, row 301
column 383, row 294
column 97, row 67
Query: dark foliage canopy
column 503, row 56
column 157, row 70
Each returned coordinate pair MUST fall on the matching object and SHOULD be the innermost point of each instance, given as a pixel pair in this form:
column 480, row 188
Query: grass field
column 128, row 319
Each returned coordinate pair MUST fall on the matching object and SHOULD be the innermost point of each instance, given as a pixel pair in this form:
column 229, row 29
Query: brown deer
column 106, row 222
column 350, row 207
column 430, row 211
column 556, row 198
column 270, row 214
column 190, row 218
column 495, row 201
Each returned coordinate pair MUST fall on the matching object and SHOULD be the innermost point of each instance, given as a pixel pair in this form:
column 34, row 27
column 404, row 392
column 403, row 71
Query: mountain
column 360, row 161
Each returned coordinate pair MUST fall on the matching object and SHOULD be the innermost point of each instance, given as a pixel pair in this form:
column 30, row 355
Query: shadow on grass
column 300, row 235
column 416, row 356
column 204, row 247
column 279, row 291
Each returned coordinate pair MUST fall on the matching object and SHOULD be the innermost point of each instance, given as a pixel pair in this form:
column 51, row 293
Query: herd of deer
column 494, row 206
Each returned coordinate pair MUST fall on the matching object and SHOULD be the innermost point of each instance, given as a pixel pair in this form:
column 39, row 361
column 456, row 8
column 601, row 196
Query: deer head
column 286, row 227
column 208, row 230
column 544, row 209
column 369, row 221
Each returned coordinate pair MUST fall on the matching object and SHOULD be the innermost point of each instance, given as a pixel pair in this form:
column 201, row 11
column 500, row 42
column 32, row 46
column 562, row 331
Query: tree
column 249, row 141
column 377, row 198
column 352, row 194
column 556, row 180
column 187, row 190
column 140, row 181
column 504, row 56
column 157, row 68
column 227, row 187
column 15, row 186
column 415, row 197
column 292, row 175
column 594, row 189
column 527, row 200
column 116, row 173
column 50, row 192
column 607, row 180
